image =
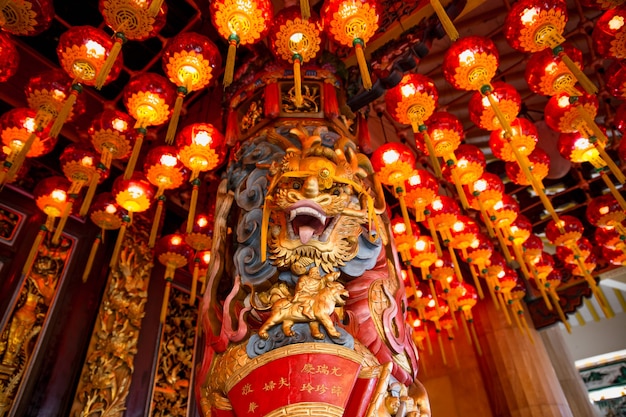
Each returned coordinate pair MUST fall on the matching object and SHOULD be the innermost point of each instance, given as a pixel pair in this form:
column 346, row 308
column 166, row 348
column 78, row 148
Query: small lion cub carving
column 314, row 301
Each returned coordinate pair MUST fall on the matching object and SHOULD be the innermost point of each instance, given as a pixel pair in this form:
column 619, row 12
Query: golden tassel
column 555, row 298
column 178, row 106
column 166, row 298
column 4, row 177
column 64, row 216
column 194, row 281
column 479, row 288
column 156, row 222
column 619, row 175
column 305, row 9
column 132, row 161
column 502, row 303
column 433, row 234
column 65, row 111
column 192, row 204
column 92, row 256
column 475, row 337
column 441, row 349
column 585, row 82
column 119, row 241
column 431, row 149
column 360, row 58
column 459, row 187
column 34, row 250
column 297, row 79
column 229, row 70
column 447, row 24
column 614, row 191
column 20, row 156
column 91, row 191
column 101, row 78
column 155, row 7
column 504, row 122
column 428, row 343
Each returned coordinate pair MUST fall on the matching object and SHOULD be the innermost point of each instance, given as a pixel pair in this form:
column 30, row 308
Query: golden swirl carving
column 149, row 109
column 488, row 117
column 354, row 20
column 307, row 47
column 479, row 73
column 187, row 68
column 534, row 37
column 127, row 17
column 108, row 369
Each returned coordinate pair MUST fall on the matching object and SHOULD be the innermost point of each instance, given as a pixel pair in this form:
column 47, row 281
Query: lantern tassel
column 166, row 299
column 555, row 298
column 156, row 222
column 614, row 190
column 105, row 70
column 132, row 161
column 229, row 70
column 64, row 216
column 619, row 175
column 447, row 24
column 475, row 337
column 92, row 256
column 431, row 149
column 441, row 348
column 360, row 58
column 585, row 82
column 20, row 156
column 479, row 288
column 305, row 9
column 173, row 125
column 194, row 282
column 34, row 250
column 91, row 191
column 155, row 7
column 297, row 79
column 192, row 204
column 118, row 245
column 65, row 110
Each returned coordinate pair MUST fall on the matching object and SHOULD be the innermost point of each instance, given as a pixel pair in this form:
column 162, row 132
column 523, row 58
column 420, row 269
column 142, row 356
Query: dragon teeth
column 306, row 211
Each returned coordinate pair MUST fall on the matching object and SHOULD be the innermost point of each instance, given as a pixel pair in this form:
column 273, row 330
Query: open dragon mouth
column 309, row 220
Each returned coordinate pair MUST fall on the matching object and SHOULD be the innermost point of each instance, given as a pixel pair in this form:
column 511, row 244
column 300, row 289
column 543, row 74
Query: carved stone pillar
column 517, row 371
column 571, row 381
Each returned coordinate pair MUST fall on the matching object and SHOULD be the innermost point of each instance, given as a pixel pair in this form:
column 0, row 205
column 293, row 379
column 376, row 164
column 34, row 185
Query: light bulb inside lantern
column 187, row 72
column 95, row 50
column 347, row 10
column 58, row 95
column 420, row 245
column 419, row 293
column 438, row 263
column 198, row 163
column 480, row 185
column 466, row 57
column 417, row 323
column 176, row 240
column 58, row 195
column 168, row 160
column 563, row 101
column 206, row 258
column 119, row 125
column 87, row 161
column 529, row 15
column 603, row 210
column 408, row 90
column 110, row 209
column 487, row 103
column 16, row 145
column 202, row 221
column 399, row 228
column 437, row 205
column 551, row 68
column 616, row 22
column 296, row 38
column 202, row 138
column 29, row 124
column 458, row 226
column 391, row 157
column 431, row 303
column 135, row 192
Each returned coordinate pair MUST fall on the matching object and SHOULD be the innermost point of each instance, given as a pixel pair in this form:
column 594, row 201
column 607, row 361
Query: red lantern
column 524, row 139
column 394, row 163
column 242, row 22
column 134, row 195
column 566, row 255
column 47, row 92
column 606, row 211
column 539, row 164
column 471, row 63
column 485, row 191
column 467, row 165
column 412, row 102
column 352, row 23
column 149, row 98
column 80, row 165
column 566, row 233
column 200, row 239
column 200, row 150
column 609, row 33
column 615, row 79
column 9, row 57
column 173, row 253
column 112, row 135
column 446, row 133
column 52, row 198
column 189, row 61
column 296, row 40
column 21, row 139
column 421, row 190
column 26, row 18
column 509, row 104
column 107, row 215
column 547, row 74
column 601, row 4
column 166, row 172
column 129, row 19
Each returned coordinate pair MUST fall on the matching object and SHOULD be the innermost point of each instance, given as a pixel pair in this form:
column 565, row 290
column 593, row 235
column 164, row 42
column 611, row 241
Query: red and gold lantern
column 166, row 172
column 21, row 139
column 547, row 74
column 149, row 98
column 412, row 102
column 242, row 22
column 112, row 134
column 509, row 104
column 129, row 19
column 394, row 163
column 200, row 239
column 421, row 189
column 189, row 61
column 200, row 149
column 352, row 23
column 296, row 40
column 609, row 33
column 173, row 253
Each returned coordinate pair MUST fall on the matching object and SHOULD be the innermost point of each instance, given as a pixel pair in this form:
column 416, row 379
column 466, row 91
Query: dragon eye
column 296, row 185
column 336, row 191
